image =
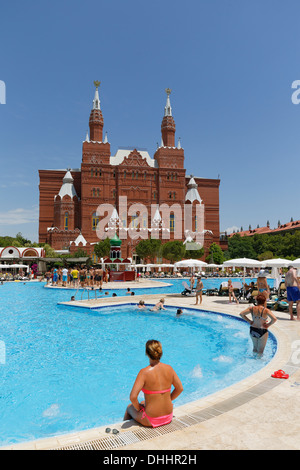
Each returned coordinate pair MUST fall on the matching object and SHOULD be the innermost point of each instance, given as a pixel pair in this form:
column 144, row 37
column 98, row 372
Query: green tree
column 149, row 248
column 265, row 255
column 23, row 241
column 241, row 247
column 102, row 248
column 173, row 251
column 194, row 254
column 215, row 255
column 50, row 253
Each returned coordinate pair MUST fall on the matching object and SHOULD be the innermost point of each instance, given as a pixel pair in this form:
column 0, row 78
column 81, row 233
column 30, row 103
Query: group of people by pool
column 77, row 277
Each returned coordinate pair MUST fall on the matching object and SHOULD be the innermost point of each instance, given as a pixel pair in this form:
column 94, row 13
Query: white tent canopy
column 243, row 263
column 8, row 266
column 276, row 262
column 190, row 263
column 14, row 266
column 295, row 263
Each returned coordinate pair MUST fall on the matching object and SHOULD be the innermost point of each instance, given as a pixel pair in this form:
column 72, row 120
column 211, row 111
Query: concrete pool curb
column 259, row 412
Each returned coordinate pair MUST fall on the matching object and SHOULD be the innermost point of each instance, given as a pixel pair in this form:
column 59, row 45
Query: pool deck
column 258, row 413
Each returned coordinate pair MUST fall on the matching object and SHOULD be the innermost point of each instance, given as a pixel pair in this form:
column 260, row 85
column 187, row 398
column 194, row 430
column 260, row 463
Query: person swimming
column 159, row 305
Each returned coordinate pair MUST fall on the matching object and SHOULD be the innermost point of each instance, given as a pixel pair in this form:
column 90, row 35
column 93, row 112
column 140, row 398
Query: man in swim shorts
column 74, row 274
column 292, row 285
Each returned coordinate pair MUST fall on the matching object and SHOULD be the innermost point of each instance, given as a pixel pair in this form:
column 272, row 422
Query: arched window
column 172, row 222
column 94, row 192
column 95, row 220
column 134, row 221
column 97, row 192
column 92, row 172
column 124, row 219
column 196, row 223
column 145, row 220
column 66, row 221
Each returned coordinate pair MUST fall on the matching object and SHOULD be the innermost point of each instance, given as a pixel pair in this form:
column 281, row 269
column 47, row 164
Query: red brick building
column 281, row 228
column 69, row 198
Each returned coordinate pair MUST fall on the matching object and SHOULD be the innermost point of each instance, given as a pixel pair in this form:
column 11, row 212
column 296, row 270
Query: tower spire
column 168, row 109
column 96, row 118
column 96, row 100
column 168, row 124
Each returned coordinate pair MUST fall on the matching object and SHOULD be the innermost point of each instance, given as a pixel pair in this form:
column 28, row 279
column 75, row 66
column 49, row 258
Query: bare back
column 158, row 378
column 291, row 279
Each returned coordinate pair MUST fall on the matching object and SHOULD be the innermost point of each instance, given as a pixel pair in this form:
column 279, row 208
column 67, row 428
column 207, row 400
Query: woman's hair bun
column 154, row 349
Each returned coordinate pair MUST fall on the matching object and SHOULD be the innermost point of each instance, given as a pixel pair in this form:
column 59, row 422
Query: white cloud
column 231, row 229
column 19, row 216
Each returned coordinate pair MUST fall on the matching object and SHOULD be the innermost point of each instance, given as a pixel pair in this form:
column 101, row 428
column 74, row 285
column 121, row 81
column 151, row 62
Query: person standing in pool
column 259, row 324
column 155, row 381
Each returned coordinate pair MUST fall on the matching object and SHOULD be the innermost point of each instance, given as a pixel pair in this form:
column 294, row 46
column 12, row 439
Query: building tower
column 167, row 155
column 96, row 118
column 96, row 171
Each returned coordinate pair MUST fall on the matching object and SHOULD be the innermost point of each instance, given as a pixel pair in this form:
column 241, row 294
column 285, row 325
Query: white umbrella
column 190, row 263
column 295, row 263
column 243, row 263
column 276, row 262
column 16, row 266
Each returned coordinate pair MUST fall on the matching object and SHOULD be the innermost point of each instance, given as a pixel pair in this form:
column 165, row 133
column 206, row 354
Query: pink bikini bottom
column 159, row 420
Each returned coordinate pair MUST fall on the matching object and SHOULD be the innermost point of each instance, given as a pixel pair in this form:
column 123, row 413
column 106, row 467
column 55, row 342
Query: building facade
column 70, row 199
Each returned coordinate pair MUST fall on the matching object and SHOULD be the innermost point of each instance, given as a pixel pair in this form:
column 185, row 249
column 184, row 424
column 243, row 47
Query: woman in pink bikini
column 155, row 382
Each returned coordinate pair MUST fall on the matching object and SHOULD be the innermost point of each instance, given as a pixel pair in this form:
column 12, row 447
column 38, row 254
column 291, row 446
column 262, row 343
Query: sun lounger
column 187, row 289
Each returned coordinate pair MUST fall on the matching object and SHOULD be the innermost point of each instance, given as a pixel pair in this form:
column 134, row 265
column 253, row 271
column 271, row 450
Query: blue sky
column 230, row 65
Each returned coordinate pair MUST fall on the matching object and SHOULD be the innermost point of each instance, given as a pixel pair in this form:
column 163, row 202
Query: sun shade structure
column 242, row 263
column 190, row 263
column 276, row 263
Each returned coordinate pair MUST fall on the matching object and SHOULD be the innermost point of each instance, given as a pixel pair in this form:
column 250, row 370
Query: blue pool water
column 65, row 369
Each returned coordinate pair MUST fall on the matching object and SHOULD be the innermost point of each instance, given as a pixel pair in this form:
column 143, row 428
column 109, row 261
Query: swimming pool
column 67, row 369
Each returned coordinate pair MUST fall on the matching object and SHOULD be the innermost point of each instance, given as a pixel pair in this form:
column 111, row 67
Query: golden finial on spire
column 97, row 83
column 168, row 91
